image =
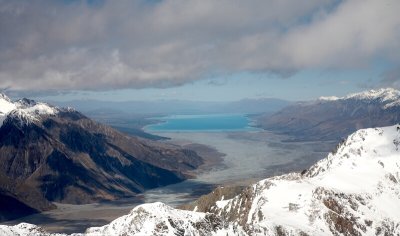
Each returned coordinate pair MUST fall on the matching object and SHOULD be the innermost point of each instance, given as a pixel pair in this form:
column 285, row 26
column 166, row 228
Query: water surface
column 202, row 123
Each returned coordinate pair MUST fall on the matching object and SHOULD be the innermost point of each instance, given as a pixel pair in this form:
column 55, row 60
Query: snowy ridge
column 355, row 190
column 25, row 110
column 158, row 219
column 389, row 97
column 384, row 94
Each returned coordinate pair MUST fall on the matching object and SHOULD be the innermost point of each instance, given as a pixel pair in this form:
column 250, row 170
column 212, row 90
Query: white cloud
column 50, row 45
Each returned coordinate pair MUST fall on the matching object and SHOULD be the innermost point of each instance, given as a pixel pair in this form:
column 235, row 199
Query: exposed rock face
column 206, row 203
column 353, row 191
column 334, row 118
column 63, row 156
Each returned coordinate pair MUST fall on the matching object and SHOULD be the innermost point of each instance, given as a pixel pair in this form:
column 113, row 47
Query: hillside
column 333, row 118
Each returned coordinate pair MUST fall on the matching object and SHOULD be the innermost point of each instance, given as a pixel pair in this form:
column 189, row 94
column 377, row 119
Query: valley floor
column 248, row 157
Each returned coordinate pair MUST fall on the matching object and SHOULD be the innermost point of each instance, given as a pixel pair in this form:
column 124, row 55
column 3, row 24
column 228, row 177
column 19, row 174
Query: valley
column 237, row 158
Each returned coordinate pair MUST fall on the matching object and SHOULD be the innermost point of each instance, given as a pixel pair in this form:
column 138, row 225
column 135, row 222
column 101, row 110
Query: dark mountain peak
column 25, row 102
column 70, row 114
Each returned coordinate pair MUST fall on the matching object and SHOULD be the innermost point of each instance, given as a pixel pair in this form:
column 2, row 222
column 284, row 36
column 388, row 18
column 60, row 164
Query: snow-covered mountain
column 355, row 190
column 333, row 118
column 26, row 110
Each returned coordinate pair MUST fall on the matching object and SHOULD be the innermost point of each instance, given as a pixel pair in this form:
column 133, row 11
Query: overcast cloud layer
column 50, row 45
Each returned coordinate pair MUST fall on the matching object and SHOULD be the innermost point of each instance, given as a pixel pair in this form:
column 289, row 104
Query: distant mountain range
column 166, row 107
column 57, row 154
column 333, row 118
column 353, row 191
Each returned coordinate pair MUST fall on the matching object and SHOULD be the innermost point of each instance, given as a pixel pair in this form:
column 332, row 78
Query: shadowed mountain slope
column 63, row 156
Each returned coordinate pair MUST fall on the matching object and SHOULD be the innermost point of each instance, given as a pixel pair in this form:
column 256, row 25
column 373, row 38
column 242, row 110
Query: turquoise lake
column 203, row 123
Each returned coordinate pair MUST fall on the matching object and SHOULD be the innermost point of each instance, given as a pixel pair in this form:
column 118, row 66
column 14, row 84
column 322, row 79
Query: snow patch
column 221, row 204
column 329, row 98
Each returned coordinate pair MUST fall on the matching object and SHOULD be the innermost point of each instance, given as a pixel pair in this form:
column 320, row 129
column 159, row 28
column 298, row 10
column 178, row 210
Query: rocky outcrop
column 206, row 203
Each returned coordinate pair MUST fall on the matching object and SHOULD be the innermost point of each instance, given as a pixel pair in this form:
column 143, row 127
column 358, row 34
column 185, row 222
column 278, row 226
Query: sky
column 202, row 50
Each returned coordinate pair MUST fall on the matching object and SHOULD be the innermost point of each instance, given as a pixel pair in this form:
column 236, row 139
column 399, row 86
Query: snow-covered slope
column 159, row 219
column 24, row 109
column 353, row 191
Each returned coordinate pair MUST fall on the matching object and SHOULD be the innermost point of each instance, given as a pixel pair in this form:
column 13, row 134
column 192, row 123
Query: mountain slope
column 355, row 190
column 333, row 118
column 66, row 157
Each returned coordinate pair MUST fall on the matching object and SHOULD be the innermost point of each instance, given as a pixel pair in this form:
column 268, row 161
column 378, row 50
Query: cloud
column 54, row 45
